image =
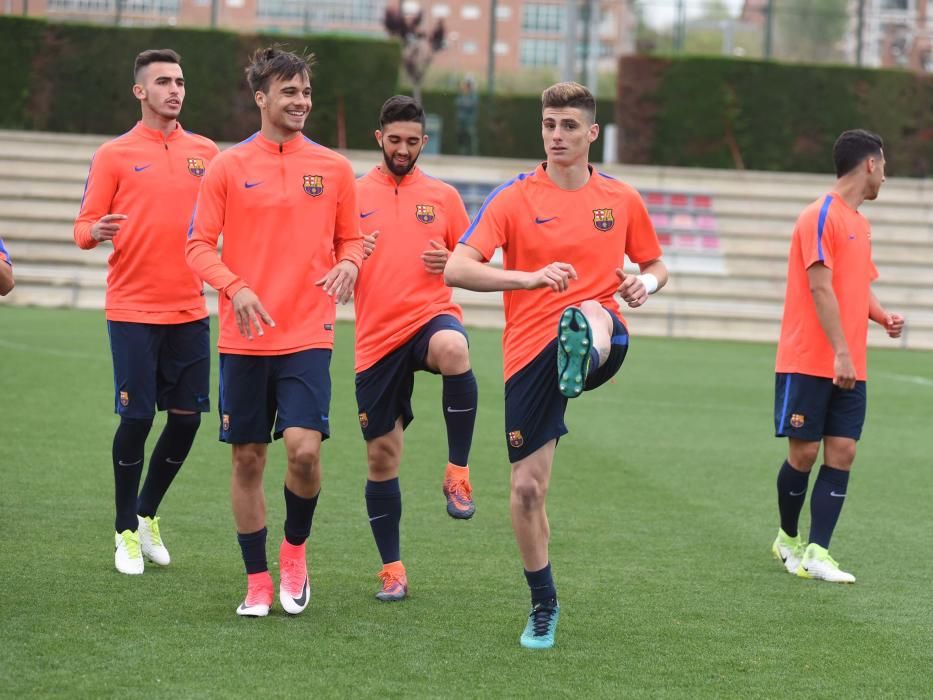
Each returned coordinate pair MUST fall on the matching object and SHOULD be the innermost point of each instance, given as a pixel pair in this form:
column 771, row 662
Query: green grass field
column 662, row 510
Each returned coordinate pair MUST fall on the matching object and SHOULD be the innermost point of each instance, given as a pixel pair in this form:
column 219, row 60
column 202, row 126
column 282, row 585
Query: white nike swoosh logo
column 458, row 410
column 128, row 464
column 837, row 495
column 384, row 515
column 791, row 493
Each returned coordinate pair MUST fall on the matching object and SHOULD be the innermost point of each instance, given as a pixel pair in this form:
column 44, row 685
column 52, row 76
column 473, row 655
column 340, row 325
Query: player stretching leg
column 565, row 230
column 407, row 322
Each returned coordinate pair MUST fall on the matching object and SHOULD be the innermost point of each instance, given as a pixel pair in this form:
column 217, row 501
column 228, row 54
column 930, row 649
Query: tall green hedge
column 721, row 113
column 77, row 78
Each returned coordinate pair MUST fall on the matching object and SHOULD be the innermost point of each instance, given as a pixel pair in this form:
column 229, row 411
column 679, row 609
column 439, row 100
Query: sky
column 661, row 13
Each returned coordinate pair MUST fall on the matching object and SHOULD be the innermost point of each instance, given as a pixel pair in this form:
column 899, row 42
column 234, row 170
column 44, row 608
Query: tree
column 418, row 45
column 811, row 30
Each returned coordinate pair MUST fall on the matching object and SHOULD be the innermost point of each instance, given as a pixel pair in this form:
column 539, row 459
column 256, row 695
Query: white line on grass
column 40, row 350
column 908, row 378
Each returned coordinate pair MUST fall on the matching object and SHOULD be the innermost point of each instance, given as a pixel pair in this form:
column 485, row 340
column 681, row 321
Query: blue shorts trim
column 811, row 408
column 534, row 406
column 160, row 366
column 263, row 395
column 383, row 391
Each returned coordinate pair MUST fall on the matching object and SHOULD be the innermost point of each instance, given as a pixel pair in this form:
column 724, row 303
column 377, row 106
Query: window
column 503, row 13
column 469, row 47
column 540, row 52
column 470, row 12
column 501, row 48
column 440, row 11
column 236, row 3
column 324, row 14
column 537, row 17
column 894, row 4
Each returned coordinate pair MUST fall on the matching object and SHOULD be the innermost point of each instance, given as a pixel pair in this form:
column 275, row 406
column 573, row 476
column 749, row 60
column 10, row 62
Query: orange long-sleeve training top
column 287, row 213
column 153, row 180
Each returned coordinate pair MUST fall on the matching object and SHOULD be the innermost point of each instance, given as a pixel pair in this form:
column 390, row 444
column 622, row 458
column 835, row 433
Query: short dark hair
column 854, row 146
column 401, row 108
column 570, row 95
column 154, row 56
column 274, row 62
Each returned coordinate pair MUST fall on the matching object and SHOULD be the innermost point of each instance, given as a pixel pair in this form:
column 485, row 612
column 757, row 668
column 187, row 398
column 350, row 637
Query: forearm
column 350, row 249
column 827, row 310
column 656, row 268
column 876, row 311
column 82, row 234
column 480, row 277
column 202, row 257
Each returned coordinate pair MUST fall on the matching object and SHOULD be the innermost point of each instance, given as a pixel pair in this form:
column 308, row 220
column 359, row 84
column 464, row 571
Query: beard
column 399, row 170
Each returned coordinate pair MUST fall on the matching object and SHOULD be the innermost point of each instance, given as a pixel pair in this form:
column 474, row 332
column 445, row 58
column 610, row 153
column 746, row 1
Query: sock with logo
column 129, row 446
column 384, row 507
column 541, row 584
column 792, row 492
column 298, row 515
column 829, row 493
column 167, row 457
column 253, row 548
column 460, row 396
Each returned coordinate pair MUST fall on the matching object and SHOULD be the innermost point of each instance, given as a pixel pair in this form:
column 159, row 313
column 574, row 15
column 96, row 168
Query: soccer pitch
column 662, row 509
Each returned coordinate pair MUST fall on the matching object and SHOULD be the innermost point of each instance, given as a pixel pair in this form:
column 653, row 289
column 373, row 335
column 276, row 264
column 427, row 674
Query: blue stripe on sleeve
column 482, row 209
column 4, row 255
column 824, row 211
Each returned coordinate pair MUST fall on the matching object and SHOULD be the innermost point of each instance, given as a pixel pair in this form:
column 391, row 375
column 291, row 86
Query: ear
column 260, row 98
column 378, row 134
column 424, row 140
column 139, row 92
column 594, row 132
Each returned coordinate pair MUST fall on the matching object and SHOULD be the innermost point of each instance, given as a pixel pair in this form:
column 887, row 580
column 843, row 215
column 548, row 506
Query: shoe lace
column 154, row 535
column 460, row 489
column 293, row 572
column 541, row 615
column 131, row 544
column 390, row 579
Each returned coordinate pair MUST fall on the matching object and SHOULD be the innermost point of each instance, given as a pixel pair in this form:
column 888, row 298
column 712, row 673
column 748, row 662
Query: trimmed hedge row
column 722, row 113
column 77, row 78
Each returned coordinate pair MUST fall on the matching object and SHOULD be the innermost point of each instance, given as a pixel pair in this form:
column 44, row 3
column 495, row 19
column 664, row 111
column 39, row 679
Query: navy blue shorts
column 160, row 365
column 534, row 406
column 810, row 408
column 263, row 394
column 383, row 391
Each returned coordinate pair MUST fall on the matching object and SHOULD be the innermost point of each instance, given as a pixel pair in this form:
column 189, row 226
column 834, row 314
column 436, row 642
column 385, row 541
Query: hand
column 843, row 371
column 339, row 282
column 106, row 227
column 435, row 260
column 556, row 276
column 893, row 325
column 249, row 311
column 631, row 289
column 369, row 244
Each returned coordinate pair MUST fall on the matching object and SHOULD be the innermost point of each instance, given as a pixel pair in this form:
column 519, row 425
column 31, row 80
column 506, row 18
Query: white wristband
column 650, row 282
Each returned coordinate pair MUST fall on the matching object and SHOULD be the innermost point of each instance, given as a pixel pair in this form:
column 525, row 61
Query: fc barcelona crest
column 515, row 438
column 424, row 213
column 124, row 398
column 196, row 166
column 602, row 219
column 314, row 185
column 797, row 420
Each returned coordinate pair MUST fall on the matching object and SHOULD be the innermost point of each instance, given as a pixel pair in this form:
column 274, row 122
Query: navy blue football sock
column 594, row 361
column 298, row 515
column 829, row 493
column 460, row 397
column 167, row 457
column 253, row 547
column 129, row 447
column 541, row 584
column 792, row 492
column 384, row 507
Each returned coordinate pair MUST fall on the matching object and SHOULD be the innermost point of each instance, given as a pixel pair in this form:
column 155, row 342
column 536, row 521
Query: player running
column 821, row 371
column 407, row 322
column 291, row 246
column 139, row 196
column 565, row 230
